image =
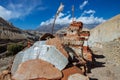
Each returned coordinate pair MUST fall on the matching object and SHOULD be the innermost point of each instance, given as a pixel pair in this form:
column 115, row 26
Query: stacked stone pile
column 62, row 58
column 77, row 39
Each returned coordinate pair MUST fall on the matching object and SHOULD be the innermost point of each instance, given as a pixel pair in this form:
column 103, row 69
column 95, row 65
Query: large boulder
column 37, row 68
column 41, row 51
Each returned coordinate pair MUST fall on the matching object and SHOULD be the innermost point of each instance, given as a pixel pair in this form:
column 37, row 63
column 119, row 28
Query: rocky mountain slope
column 10, row 34
column 48, row 28
column 8, row 31
column 106, row 31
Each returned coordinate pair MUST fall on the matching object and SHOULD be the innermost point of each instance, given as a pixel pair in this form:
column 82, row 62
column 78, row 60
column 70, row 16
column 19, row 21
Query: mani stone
column 37, row 68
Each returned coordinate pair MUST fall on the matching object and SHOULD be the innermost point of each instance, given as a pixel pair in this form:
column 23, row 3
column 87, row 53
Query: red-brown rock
column 78, row 76
column 87, row 55
column 85, row 49
column 69, row 71
column 36, row 69
column 58, row 44
column 39, row 79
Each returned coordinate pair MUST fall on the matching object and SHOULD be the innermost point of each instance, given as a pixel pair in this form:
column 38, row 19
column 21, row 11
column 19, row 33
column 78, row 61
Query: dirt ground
column 107, row 62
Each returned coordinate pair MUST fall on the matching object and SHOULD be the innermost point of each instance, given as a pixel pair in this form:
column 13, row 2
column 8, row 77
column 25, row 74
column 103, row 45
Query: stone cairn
column 77, row 40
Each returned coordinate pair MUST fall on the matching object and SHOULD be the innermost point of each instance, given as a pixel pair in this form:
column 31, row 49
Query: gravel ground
column 109, row 62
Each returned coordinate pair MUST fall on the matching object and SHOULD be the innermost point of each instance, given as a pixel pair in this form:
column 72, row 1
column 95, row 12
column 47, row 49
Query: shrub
column 14, row 48
column 3, row 48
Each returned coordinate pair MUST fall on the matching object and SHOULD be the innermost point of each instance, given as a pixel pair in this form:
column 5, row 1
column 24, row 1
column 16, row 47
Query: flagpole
column 54, row 24
column 57, row 13
column 73, row 13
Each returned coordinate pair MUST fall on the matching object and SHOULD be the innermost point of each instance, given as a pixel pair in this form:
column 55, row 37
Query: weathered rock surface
column 58, row 44
column 40, row 50
column 34, row 69
column 69, row 71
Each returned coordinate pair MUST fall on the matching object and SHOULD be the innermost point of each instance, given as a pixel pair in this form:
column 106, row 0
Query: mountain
column 105, row 32
column 48, row 28
column 9, row 31
column 10, row 34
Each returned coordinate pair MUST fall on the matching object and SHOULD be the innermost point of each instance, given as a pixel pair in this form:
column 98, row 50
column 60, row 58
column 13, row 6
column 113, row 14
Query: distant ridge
column 48, row 28
column 106, row 31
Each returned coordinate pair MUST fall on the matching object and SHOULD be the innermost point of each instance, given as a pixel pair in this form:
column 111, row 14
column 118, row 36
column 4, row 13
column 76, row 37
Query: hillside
column 10, row 34
column 8, row 31
column 106, row 31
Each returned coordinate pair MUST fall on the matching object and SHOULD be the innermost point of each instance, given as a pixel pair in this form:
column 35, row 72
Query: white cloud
column 5, row 13
column 10, row 14
column 66, row 19
column 19, row 9
column 83, row 4
column 91, row 12
column 90, row 20
column 61, row 19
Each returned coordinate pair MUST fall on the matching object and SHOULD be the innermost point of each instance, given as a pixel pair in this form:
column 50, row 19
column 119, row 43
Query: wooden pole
column 54, row 24
column 72, row 13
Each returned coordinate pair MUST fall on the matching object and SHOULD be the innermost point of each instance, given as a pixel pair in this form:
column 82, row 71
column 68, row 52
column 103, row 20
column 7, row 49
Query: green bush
column 14, row 48
column 3, row 48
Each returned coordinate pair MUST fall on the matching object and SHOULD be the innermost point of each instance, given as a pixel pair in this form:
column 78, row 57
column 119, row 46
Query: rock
column 5, row 72
column 34, row 69
column 42, row 51
column 40, row 79
column 69, row 71
column 0, row 74
column 58, row 44
column 88, row 55
column 5, row 75
column 78, row 77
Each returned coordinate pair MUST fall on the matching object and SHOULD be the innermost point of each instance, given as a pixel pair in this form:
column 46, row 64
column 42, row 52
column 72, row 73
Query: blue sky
column 30, row 14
